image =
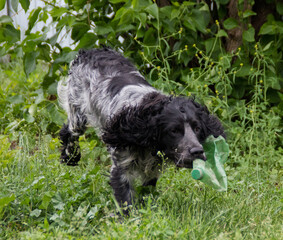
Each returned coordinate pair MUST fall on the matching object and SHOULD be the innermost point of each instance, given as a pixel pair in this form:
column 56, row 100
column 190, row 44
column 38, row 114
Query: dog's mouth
column 187, row 161
column 185, row 165
column 184, row 162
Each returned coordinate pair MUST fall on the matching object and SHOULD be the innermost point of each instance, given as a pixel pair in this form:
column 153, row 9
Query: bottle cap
column 197, row 174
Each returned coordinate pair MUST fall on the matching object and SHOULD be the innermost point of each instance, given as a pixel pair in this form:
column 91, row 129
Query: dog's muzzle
column 198, row 152
column 193, row 154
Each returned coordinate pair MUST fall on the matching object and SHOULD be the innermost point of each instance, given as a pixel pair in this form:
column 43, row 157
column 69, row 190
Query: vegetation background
column 228, row 54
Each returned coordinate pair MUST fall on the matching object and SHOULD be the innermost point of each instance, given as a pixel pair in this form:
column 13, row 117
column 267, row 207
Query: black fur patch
column 117, row 83
column 104, row 60
column 136, row 125
column 70, row 152
column 122, row 189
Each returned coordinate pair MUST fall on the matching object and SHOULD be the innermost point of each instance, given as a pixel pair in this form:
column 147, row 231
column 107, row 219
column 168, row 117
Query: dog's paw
column 70, row 159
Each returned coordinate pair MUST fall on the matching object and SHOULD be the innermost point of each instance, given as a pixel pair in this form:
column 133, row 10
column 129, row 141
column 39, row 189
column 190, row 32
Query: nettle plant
column 226, row 53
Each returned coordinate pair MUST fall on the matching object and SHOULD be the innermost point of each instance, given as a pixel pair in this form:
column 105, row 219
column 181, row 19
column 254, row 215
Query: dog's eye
column 182, row 110
column 176, row 130
column 197, row 129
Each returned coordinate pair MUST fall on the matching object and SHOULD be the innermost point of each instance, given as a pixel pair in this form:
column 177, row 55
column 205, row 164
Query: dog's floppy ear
column 211, row 124
column 136, row 125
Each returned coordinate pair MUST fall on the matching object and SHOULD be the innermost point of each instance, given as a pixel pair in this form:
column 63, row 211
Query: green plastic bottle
column 211, row 171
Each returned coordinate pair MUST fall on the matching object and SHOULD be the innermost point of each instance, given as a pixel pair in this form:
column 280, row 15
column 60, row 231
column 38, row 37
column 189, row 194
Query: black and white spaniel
column 136, row 121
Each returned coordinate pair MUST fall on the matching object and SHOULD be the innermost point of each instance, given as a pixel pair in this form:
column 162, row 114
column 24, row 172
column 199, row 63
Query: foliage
column 23, row 103
column 183, row 48
column 143, row 26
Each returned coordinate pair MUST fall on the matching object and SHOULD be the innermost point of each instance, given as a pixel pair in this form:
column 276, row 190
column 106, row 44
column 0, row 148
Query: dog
column 140, row 125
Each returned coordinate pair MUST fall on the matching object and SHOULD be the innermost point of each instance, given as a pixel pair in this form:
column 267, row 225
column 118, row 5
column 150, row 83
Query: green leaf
column 17, row 99
column 267, row 28
column 46, row 224
column 244, row 71
column 93, row 211
column 32, row 109
column 4, row 201
column 149, row 37
column 249, row 35
column 279, row 8
column 47, row 81
column 103, row 29
column 221, row 33
column 55, row 115
column 44, row 50
column 58, row 12
column 200, row 19
column 125, row 28
column 11, row 34
column 124, row 15
column 137, row 5
column 29, row 118
column 35, row 213
column 267, row 46
column 273, row 96
column 248, row 13
column 117, row 1
column 30, row 62
column 25, row 4
column 189, row 23
column 32, row 19
column 2, row 4
column 153, row 10
column 5, row 19
column 273, row 82
column 66, row 57
column 46, row 200
column 44, row 16
column 53, row 39
column 120, row 13
column 238, row 91
column 127, row 17
column 142, row 18
column 209, row 43
column 79, row 3
column 87, row 41
column 65, row 21
column 15, row 4
column 230, row 23
column 174, row 14
column 79, row 30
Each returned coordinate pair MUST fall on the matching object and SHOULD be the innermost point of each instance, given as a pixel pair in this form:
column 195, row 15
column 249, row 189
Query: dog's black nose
column 198, row 152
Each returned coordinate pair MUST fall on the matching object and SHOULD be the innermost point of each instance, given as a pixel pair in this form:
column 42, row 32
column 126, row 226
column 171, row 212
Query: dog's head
column 175, row 126
column 183, row 126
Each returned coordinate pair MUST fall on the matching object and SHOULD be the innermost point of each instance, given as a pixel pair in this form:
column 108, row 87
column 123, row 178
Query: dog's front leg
column 122, row 187
column 70, row 152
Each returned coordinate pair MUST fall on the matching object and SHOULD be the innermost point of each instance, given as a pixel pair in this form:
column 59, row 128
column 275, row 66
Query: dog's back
column 100, row 83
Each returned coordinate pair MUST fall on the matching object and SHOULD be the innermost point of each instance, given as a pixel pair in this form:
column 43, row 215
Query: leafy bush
column 23, row 103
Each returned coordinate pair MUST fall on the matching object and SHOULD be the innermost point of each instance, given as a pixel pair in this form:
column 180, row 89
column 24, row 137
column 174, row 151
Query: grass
column 54, row 201
column 42, row 199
